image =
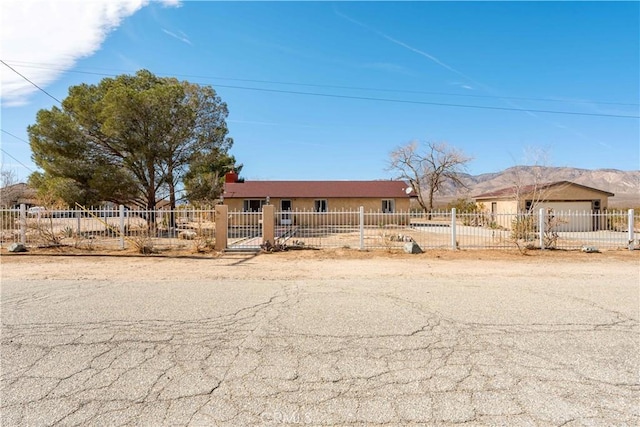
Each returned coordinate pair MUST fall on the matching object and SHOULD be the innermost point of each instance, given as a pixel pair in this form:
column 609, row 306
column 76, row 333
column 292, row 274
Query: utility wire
column 47, row 93
column 441, row 104
column 40, row 66
column 16, row 137
column 19, row 139
column 25, row 166
column 403, row 101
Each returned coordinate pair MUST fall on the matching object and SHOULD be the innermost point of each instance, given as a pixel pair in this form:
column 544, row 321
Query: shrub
column 523, row 228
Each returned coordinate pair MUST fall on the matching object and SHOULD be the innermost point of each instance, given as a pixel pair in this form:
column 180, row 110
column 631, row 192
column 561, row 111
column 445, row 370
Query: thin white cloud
column 406, row 46
column 54, row 32
column 433, row 59
column 182, row 36
column 171, row 3
column 462, row 85
column 469, row 79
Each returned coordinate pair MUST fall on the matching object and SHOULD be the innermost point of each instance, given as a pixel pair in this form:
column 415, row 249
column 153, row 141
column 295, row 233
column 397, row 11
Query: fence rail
column 186, row 228
column 449, row 229
column 108, row 228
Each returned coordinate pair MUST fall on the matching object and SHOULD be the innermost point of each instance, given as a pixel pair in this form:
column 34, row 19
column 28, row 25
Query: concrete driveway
column 283, row 340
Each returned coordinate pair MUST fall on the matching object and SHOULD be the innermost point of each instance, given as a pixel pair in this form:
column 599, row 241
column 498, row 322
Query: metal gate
column 244, row 230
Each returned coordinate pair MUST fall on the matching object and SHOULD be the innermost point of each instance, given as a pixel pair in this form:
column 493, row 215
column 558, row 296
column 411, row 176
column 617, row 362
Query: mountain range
column 624, row 184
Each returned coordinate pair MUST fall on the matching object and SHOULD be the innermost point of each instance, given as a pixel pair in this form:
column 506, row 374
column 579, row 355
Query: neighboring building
column 12, row 196
column 560, row 196
column 316, row 196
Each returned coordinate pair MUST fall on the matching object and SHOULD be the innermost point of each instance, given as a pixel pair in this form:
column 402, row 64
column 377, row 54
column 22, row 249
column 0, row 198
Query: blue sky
column 325, row 90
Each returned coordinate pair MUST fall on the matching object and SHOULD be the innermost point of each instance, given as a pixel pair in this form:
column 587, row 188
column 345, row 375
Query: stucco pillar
column 268, row 224
column 23, row 223
column 222, row 219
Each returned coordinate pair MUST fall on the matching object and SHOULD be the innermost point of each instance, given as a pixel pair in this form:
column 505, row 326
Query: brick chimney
column 231, row 177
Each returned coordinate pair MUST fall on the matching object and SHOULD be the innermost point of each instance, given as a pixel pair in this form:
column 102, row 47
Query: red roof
column 316, row 189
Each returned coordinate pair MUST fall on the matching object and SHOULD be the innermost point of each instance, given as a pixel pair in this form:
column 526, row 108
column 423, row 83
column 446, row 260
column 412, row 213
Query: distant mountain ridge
column 624, row 184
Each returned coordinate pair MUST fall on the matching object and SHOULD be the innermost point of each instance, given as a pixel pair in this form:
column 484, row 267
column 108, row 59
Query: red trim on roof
column 316, row 189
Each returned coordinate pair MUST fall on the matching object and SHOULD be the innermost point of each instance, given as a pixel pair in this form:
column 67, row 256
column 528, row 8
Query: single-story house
column 12, row 196
column 316, row 196
column 559, row 197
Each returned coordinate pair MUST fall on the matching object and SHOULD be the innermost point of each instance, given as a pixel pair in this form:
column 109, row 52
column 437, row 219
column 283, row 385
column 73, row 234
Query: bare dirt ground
column 331, row 337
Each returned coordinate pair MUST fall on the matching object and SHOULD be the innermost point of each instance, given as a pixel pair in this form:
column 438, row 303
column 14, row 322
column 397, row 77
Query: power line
column 515, row 98
column 19, row 139
column 440, row 104
column 403, row 101
column 25, row 166
column 16, row 137
column 18, row 73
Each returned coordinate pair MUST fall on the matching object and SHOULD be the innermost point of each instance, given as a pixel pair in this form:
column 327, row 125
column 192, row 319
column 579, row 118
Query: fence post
column 454, row 243
column 122, row 230
column 221, row 218
column 361, row 221
column 23, row 223
column 630, row 229
column 78, row 216
column 541, row 227
column 268, row 224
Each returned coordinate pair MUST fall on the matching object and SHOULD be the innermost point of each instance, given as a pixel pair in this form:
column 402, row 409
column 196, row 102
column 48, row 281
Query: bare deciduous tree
column 530, row 182
column 429, row 169
column 531, row 188
column 8, row 192
column 7, row 177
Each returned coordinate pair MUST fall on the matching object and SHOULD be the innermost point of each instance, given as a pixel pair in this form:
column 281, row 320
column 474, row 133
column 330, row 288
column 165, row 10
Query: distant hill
column 624, row 184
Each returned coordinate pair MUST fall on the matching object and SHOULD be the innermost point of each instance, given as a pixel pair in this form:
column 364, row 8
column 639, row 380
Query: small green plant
column 470, row 212
column 67, row 231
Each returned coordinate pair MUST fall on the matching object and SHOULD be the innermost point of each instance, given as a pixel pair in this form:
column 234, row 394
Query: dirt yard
column 325, row 263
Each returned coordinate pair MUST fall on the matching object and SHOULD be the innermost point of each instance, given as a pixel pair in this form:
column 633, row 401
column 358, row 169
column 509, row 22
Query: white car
column 39, row 211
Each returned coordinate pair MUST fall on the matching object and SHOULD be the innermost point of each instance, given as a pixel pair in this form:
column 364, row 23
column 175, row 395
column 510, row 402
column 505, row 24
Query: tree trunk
column 430, row 202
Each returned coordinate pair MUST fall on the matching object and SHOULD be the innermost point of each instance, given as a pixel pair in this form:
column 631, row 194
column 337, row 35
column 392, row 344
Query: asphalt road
column 490, row 344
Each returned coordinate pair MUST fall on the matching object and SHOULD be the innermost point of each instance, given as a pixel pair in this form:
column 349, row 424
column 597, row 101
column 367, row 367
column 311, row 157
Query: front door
column 285, row 209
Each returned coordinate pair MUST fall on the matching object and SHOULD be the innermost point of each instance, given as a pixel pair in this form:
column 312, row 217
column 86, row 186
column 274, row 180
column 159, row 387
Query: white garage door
column 571, row 216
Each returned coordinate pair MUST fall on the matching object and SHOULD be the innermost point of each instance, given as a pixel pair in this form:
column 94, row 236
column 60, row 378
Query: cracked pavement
column 280, row 340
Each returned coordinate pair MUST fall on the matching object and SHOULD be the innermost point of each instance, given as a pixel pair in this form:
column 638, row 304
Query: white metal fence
column 244, row 230
column 449, row 229
column 110, row 228
column 188, row 228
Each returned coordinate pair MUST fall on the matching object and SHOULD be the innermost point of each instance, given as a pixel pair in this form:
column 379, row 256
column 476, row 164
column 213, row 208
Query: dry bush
column 44, row 231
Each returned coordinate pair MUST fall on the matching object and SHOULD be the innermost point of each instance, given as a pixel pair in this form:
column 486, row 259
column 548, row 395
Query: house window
column 528, row 205
column 253, row 205
column 388, row 206
column 320, row 205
